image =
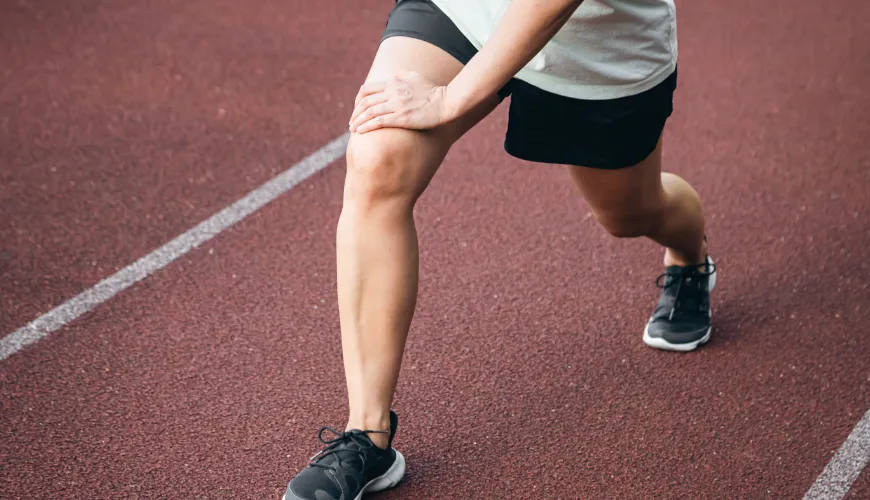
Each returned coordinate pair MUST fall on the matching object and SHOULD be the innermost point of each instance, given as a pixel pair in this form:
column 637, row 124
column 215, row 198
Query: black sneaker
column 350, row 465
column 682, row 319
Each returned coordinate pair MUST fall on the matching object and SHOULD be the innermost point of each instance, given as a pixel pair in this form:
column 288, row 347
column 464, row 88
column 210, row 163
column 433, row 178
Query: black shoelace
column 334, row 446
column 681, row 276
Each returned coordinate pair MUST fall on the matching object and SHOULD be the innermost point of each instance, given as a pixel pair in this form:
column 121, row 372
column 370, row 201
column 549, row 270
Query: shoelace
column 683, row 275
column 333, row 445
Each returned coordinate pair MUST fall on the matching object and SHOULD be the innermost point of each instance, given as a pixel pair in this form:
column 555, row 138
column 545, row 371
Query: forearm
column 525, row 28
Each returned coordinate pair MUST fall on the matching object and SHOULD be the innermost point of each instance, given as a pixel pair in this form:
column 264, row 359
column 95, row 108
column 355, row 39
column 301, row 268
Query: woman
column 591, row 87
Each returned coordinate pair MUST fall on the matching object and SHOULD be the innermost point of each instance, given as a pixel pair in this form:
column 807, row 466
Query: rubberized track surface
column 124, row 123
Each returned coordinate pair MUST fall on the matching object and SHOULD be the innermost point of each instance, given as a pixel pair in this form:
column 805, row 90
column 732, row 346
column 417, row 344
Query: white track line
column 834, row 482
column 154, row 261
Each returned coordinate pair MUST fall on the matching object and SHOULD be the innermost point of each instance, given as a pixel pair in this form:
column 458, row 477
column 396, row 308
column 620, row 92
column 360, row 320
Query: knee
column 627, row 224
column 380, row 170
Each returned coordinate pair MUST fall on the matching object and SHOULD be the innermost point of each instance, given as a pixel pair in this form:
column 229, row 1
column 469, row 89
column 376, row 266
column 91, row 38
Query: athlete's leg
column 387, row 170
column 642, row 201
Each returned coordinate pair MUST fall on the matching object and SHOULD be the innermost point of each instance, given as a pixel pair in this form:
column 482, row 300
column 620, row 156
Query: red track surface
column 524, row 370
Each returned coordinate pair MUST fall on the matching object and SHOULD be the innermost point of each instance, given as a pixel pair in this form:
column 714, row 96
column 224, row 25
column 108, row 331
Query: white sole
column 664, row 345
column 383, row 482
column 389, row 479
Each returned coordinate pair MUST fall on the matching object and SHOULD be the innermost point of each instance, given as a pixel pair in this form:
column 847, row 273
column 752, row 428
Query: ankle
column 372, row 422
column 675, row 258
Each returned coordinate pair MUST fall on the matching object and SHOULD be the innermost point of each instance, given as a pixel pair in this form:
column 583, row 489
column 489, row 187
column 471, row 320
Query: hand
column 408, row 100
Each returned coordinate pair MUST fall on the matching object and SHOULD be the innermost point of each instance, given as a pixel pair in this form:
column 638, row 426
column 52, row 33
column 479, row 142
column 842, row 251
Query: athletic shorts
column 546, row 127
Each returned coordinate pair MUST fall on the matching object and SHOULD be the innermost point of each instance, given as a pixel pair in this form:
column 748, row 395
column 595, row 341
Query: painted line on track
column 837, row 478
column 185, row 242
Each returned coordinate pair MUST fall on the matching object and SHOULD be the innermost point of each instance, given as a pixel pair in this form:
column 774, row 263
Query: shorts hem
column 579, row 158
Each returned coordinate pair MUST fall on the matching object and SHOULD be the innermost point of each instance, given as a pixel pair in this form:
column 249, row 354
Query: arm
column 410, row 101
column 523, row 31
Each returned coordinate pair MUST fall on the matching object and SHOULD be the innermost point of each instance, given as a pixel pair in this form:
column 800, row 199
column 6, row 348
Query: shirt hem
column 568, row 88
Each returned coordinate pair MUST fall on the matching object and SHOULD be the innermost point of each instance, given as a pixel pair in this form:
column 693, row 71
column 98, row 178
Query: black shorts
column 547, row 127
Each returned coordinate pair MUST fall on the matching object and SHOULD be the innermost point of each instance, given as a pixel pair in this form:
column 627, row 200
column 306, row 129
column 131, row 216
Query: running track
column 124, row 124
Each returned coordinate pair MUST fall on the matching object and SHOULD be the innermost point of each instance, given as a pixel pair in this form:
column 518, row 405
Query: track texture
column 124, row 123
column 525, row 376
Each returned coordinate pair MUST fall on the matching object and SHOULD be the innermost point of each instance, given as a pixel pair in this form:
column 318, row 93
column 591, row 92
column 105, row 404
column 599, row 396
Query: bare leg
column 643, row 201
column 387, row 170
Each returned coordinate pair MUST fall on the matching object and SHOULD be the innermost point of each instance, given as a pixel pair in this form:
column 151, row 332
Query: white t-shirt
column 608, row 49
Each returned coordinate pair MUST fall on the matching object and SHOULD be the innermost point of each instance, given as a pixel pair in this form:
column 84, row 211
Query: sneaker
column 682, row 319
column 349, row 466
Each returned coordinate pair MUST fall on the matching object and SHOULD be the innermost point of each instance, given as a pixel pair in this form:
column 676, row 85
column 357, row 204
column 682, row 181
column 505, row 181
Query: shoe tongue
column 687, row 283
column 678, row 272
column 673, row 274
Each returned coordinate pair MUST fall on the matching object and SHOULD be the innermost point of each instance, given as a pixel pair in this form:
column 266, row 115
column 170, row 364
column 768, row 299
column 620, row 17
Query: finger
column 369, row 88
column 367, row 102
column 375, row 123
column 372, row 113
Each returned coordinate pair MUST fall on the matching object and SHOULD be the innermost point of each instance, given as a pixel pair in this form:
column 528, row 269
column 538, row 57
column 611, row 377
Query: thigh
column 622, row 192
column 418, row 37
column 400, row 159
column 402, row 53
